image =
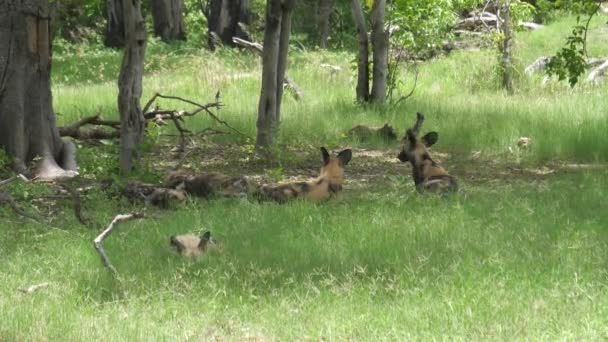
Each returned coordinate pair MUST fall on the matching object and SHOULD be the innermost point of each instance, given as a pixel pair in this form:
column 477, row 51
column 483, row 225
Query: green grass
column 459, row 94
column 513, row 255
column 518, row 260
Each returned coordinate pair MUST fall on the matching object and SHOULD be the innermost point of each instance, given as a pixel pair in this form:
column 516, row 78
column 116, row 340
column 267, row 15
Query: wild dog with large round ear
column 190, row 245
column 328, row 183
column 428, row 175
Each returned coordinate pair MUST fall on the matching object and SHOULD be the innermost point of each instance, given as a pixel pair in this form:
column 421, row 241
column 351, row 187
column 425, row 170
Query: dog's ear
column 204, row 240
column 430, row 139
column 325, row 155
column 345, row 156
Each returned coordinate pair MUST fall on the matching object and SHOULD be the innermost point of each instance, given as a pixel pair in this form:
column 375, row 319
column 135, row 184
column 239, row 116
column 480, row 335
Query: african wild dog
column 209, row 184
column 327, row 184
column 365, row 133
column 190, row 245
column 428, row 175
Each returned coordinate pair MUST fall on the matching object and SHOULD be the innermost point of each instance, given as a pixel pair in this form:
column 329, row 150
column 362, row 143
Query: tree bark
column 380, row 43
column 132, row 121
column 506, row 28
column 325, row 9
column 27, row 120
column 168, row 17
column 223, row 21
column 363, row 58
column 115, row 24
column 274, row 61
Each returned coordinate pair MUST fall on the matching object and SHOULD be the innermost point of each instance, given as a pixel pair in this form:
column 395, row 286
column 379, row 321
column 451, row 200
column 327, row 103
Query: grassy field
column 520, row 253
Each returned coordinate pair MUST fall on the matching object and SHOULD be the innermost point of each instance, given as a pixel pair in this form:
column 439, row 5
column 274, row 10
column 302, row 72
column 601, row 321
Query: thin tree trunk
column 363, row 58
column 274, row 60
column 115, row 24
column 168, row 17
column 325, row 9
column 506, row 28
column 27, row 120
column 132, row 121
column 380, row 36
column 223, row 21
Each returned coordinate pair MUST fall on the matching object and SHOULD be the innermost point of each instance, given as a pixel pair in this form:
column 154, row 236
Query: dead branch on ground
column 258, row 49
column 5, row 198
column 99, row 239
column 34, row 288
column 77, row 130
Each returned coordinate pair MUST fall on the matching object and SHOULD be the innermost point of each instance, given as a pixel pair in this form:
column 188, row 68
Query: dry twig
column 34, row 288
column 99, row 239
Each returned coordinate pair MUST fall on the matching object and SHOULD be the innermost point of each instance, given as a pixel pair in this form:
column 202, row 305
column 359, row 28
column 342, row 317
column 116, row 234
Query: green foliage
column 420, row 26
column 196, row 23
column 570, row 61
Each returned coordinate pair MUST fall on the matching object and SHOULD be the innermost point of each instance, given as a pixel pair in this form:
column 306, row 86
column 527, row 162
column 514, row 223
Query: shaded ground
column 371, row 169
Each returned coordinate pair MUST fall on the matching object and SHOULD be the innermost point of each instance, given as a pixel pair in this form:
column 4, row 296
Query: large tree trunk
column 380, row 43
column 363, row 58
column 168, row 17
column 115, row 24
column 132, row 122
column 27, row 120
column 223, row 21
column 506, row 28
column 325, row 9
column 274, row 60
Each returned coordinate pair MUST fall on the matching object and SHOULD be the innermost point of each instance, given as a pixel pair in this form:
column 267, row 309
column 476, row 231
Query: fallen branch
column 598, row 72
column 34, row 288
column 5, row 198
column 75, row 130
column 203, row 108
column 541, row 63
column 259, row 49
column 99, row 239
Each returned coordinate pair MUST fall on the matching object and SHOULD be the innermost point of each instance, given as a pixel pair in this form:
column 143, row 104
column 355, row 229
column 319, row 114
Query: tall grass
column 518, row 260
column 459, row 94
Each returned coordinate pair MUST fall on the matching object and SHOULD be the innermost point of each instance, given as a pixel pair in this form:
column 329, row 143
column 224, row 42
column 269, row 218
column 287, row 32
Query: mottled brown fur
column 327, row 184
column 364, row 133
column 428, row 175
column 190, row 245
column 207, row 185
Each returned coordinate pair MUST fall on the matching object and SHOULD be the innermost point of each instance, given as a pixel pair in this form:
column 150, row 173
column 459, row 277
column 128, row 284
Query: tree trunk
column 132, row 122
column 115, row 24
column 27, row 120
column 223, row 21
column 380, row 45
column 325, row 9
column 363, row 59
column 274, row 60
column 168, row 17
column 505, row 62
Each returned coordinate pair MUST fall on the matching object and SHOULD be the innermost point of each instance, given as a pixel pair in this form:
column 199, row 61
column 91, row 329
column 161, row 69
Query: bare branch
column 33, row 288
column 99, row 239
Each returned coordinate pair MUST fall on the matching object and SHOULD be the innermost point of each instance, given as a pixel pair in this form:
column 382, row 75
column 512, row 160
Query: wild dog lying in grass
column 364, row 133
column 207, row 185
column 428, row 175
column 190, row 245
column 327, row 184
